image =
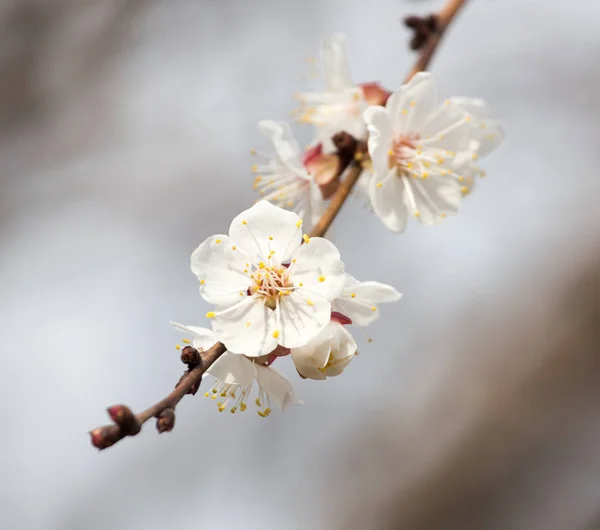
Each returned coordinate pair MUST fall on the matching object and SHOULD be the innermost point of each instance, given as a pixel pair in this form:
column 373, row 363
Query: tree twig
column 435, row 26
column 128, row 424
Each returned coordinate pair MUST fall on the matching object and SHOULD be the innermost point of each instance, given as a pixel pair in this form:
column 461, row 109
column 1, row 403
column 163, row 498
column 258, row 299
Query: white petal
column 395, row 104
column 376, row 293
column 286, row 147
column 338, row 367
column 264, row 228
column 448, row 129
column 220, row 270
column 359, row 310
column 422, row 98
column 360, row 299
column 204, row 338
column 301, row 318
column 317, row 266
column 277, row 386
column 387, row 201
column 335, row 63
column 490, row 132
column 478, row 108
column 344, row 345
column 380, row 137
column 435, row 198
column 342, row 352
column 233, row 369
column 246, row 328
column 493, row 136
column 309, row 358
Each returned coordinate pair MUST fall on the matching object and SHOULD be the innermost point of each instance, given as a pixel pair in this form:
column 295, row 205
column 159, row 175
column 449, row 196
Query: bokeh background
column 125, row 129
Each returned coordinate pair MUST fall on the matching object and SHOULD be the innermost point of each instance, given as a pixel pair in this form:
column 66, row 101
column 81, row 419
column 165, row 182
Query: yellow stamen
column 211, row 314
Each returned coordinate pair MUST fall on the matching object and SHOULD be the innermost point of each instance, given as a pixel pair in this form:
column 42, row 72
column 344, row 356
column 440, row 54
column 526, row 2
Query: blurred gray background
column 125, row 128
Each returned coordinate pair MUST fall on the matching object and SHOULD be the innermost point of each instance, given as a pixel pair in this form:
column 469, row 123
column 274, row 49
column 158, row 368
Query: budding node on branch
column 190, row 356
column 423, row 28
column 125, row 419
column 165, row 420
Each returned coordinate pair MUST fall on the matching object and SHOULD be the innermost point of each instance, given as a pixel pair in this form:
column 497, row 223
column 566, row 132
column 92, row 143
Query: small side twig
column 428, row 32
column 128, row 424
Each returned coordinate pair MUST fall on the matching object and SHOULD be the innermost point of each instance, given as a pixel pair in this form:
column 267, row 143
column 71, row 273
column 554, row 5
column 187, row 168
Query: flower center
column 402, row 152
column 271, row 282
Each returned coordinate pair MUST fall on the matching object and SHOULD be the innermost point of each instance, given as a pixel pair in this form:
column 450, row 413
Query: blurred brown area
column 530, row 410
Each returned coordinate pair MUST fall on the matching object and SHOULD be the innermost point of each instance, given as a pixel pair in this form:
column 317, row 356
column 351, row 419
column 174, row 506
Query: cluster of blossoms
column 277, row 293
column 422, row 150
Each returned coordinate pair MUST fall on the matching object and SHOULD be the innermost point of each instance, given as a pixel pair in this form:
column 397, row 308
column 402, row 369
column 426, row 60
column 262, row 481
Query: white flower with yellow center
column 269, row 289
column 284, row 180
column 341, row 105
column 327, row 354
column 359, row 300
column 423, row 152
column 235, row 377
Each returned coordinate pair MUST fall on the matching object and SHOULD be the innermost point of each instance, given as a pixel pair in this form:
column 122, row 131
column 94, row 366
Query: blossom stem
column 336, row 202
column 443, row 18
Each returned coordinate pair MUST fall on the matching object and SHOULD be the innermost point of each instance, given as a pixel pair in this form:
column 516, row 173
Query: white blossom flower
column 327, row 354
column 341, row 105
column 359, row 300
column 423, row 152
column 236, row 374
column 284, row 181
column 268, row 289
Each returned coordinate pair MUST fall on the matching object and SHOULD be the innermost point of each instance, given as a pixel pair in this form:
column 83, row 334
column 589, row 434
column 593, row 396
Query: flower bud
column 103, row 437
column 190, row 355
column 165, row 420
column 125, row 419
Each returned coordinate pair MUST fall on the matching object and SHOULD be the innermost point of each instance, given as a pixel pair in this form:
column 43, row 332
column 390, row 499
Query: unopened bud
column 190, row 355
column 103, row 437
column 423, row 28
column 165, row 421
column 125, row 419
column 344, row 143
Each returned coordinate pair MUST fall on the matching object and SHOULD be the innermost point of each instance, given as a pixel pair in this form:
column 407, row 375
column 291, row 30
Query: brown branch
column 126, row 424
column 350, row 153
column 429, row 32
column 336, row 203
